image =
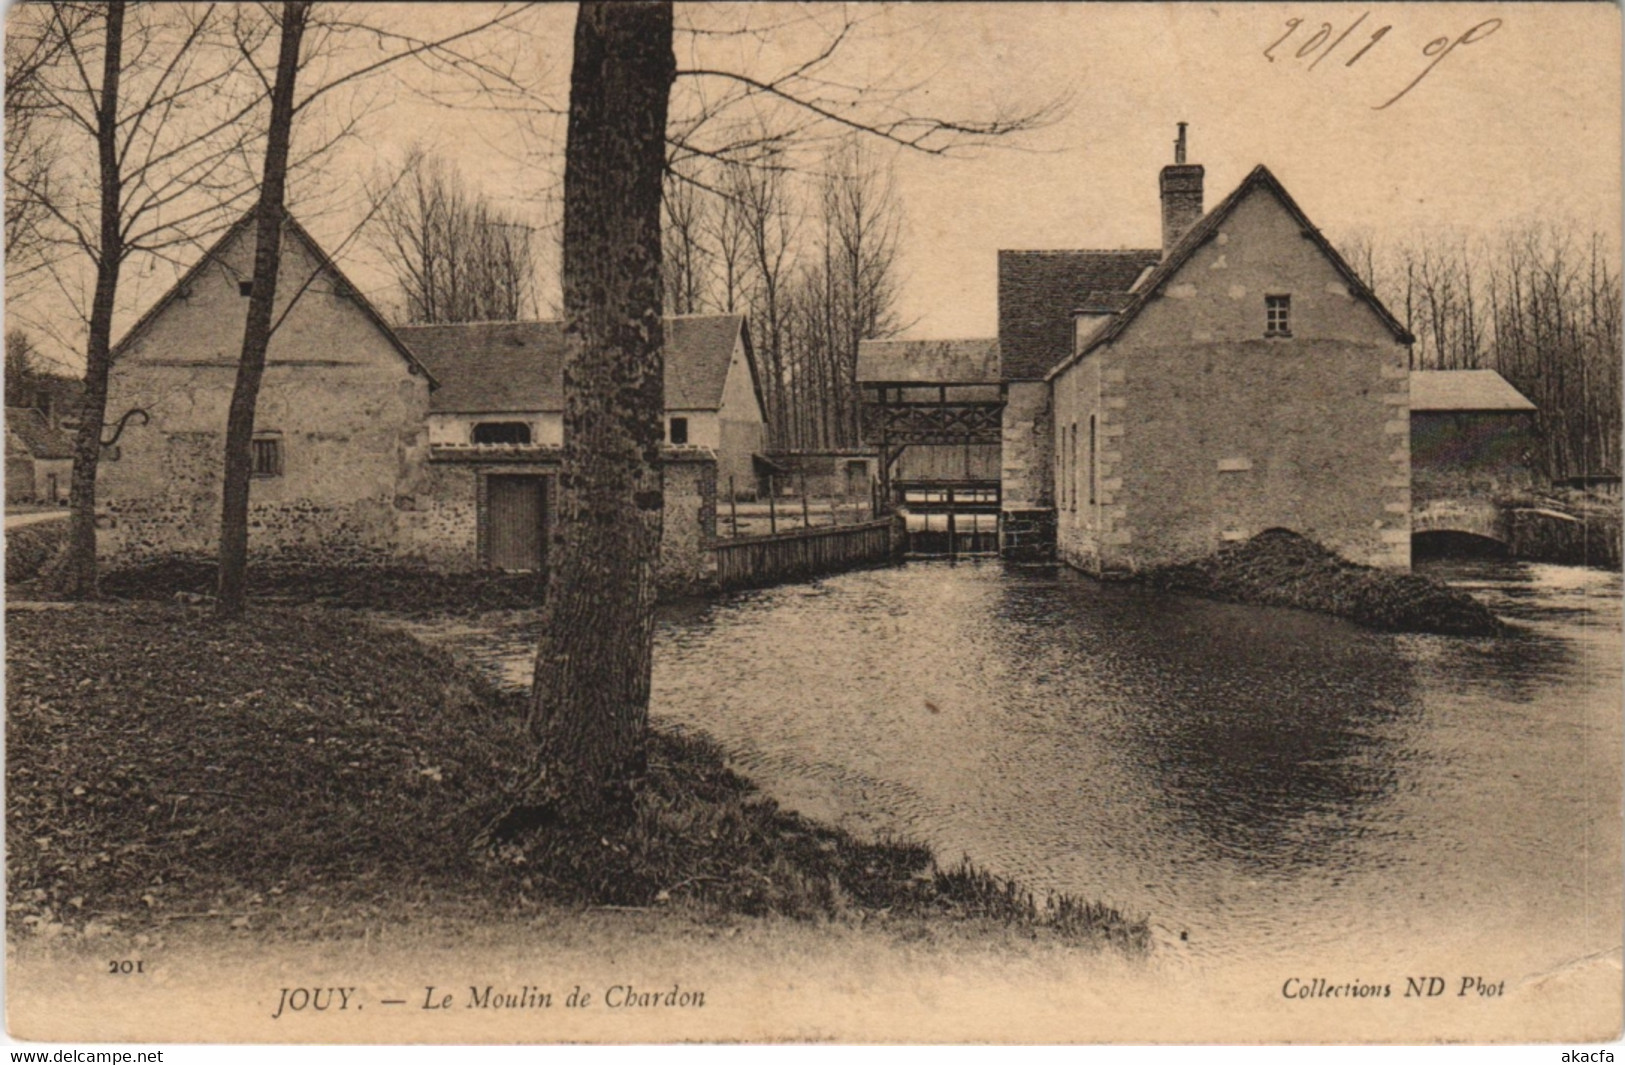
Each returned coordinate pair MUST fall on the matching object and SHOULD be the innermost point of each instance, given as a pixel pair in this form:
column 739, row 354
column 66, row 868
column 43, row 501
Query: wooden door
column 517, row 516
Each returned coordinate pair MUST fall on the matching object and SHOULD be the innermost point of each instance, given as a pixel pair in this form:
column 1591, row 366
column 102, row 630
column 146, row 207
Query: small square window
column 245, row 288
column 1277, row 316
column 267, row 457
column 679, row 430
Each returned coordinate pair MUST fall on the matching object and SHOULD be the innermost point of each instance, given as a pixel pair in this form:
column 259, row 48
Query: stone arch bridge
column 1473, row 516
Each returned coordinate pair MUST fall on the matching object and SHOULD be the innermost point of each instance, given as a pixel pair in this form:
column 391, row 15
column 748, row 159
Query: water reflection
column 1259, row 778
column 1265, row 780
column 1253, row 730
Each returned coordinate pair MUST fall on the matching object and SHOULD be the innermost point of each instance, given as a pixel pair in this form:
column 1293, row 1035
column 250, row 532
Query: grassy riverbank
column 1280, row 568
column 399, row 589
column 409, row 591
column 297, row 768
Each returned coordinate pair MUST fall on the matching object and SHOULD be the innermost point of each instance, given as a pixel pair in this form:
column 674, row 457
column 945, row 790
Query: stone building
column 340, row 441
column 503, row 383
column 1472, row 437
column 346, row 465
column 39, row 458
column 1250, row 380
column 1157, row 403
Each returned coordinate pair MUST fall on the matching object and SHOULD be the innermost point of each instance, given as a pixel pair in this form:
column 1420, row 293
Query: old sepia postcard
column 918, row 523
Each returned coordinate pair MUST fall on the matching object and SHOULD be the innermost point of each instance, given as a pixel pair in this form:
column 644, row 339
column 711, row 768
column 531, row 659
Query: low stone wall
column 1590, row 538
column 432, row 520
column 1027, row 535
column 361, row 532
column 847, row 473
column 687, row 564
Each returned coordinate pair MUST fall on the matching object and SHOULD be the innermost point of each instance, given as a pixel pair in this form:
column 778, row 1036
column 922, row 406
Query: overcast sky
column 1524, row 122
column 1518, row 119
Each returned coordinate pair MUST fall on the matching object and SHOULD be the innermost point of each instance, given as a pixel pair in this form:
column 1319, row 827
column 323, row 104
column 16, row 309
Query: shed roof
column 1445, row 390
column 30, row 428
column 1039, row 290
column 932, row 361
column 497, row 367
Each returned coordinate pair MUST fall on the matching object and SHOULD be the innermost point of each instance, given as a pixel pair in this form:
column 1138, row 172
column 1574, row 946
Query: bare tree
column 865, row 225
column 1536, row 303
column 457, row 257
column 111, row 94
column 141, row 126
column 760, row 207
column 24, row 368
column 811, row 256
column 686, row 255
column 449, row 52
column 268, row 216
column 33, row 45
column 727, row 233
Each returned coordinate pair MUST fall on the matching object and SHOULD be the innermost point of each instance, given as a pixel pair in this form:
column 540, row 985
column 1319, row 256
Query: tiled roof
column 1197, row 235
column 35, row 433
column 1039, row 290
column 1464, row 390
column 494, row 367
column 490, row 367
column 935, row 361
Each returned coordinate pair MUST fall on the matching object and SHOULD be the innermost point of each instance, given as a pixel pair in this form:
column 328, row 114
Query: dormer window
column 245, row 288
column 501, row 433
column 1277, row 316
column 679, row 430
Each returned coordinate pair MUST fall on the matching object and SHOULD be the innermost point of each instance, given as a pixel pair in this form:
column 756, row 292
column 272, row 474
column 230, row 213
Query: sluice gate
column 950, row 519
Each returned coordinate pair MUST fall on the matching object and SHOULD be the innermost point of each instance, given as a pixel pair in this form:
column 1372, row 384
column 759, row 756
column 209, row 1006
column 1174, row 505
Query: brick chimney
column 1181, row 196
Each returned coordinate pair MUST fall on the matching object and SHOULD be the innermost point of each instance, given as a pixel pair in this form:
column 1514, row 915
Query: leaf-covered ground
column 158, row 759
column 299, row 769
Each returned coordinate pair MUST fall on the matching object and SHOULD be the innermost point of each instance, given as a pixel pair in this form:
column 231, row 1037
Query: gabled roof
column 1039, row 290
column 1465, row 390
column 929, row 361
column 31, row 429
column 324, row 262
column 1207, row 227
column 512, row 367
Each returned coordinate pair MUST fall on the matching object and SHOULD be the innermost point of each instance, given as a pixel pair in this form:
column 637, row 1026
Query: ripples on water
column 1265, row 780
column 1269, row 781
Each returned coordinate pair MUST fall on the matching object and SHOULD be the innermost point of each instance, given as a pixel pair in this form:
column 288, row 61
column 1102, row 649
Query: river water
column 1264, row 784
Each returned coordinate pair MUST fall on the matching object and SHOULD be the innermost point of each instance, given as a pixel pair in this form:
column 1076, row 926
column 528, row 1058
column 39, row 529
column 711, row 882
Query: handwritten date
column 1320, row 42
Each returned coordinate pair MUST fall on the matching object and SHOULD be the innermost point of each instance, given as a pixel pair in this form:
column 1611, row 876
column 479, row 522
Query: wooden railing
column 755, row 561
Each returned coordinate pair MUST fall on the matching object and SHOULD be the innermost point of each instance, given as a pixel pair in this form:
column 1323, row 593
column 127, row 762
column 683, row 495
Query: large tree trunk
column 590, row 703
column 257, row 333
column 74, row 575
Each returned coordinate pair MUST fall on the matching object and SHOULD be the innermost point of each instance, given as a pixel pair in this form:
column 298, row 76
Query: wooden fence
column 754, row 561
